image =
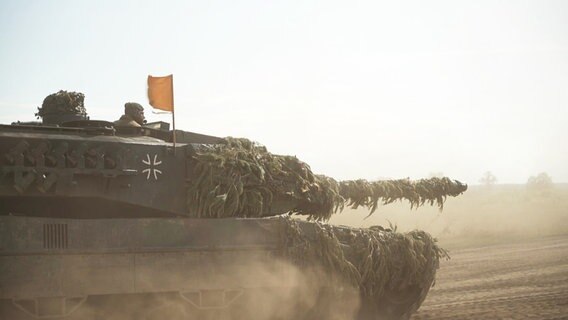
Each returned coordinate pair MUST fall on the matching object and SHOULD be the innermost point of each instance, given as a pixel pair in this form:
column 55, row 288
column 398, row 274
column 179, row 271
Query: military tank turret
column 100, row 221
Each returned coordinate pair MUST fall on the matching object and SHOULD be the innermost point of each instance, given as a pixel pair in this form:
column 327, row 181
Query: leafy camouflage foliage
column 63, row 102
column 380, row 260
column 239, row 178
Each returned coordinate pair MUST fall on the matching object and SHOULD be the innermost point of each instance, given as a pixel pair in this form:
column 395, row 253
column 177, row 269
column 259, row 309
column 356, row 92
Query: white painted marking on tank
column 152, row 170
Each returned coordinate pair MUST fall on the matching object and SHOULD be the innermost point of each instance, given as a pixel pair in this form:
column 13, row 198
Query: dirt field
column 523, row 280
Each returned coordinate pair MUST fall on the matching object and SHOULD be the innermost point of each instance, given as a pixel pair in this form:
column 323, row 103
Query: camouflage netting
column 239, row 178
column 62, row 102
column 380, row 260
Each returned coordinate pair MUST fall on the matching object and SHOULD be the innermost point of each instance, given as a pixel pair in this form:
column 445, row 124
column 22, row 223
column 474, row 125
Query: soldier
column 133, row 116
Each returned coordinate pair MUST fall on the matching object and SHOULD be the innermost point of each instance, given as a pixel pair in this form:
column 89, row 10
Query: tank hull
column 182, row 268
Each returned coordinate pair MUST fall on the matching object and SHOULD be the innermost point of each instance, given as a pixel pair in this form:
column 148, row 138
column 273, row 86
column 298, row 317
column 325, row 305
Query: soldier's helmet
column 132, row 106
column 135, row 111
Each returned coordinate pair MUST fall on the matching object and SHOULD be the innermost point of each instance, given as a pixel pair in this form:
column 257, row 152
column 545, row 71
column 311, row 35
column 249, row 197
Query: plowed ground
column 523, row 280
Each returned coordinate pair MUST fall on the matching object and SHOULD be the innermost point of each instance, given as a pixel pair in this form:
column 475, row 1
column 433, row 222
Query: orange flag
column 161, row 92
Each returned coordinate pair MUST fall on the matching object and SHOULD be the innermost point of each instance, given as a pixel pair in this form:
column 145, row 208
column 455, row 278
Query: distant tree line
column 540, row 182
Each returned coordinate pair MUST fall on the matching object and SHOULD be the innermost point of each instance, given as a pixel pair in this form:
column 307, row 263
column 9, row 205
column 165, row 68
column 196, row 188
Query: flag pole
column 173, row 116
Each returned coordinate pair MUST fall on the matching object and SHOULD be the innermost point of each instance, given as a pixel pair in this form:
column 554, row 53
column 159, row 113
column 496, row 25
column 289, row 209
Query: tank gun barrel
column 243, row 179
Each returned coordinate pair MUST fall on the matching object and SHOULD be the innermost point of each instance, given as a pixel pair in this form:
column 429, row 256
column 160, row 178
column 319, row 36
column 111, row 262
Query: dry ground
column 509, row 248
column 521, row 280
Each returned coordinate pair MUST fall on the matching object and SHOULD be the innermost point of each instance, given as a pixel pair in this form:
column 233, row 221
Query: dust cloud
column 482, row 215
column 275, row 289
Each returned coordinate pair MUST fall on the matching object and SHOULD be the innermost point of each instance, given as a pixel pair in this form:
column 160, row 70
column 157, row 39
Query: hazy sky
column 357, row 89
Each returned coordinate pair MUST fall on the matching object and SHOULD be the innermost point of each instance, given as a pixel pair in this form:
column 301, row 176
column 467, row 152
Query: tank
column 105, row 222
